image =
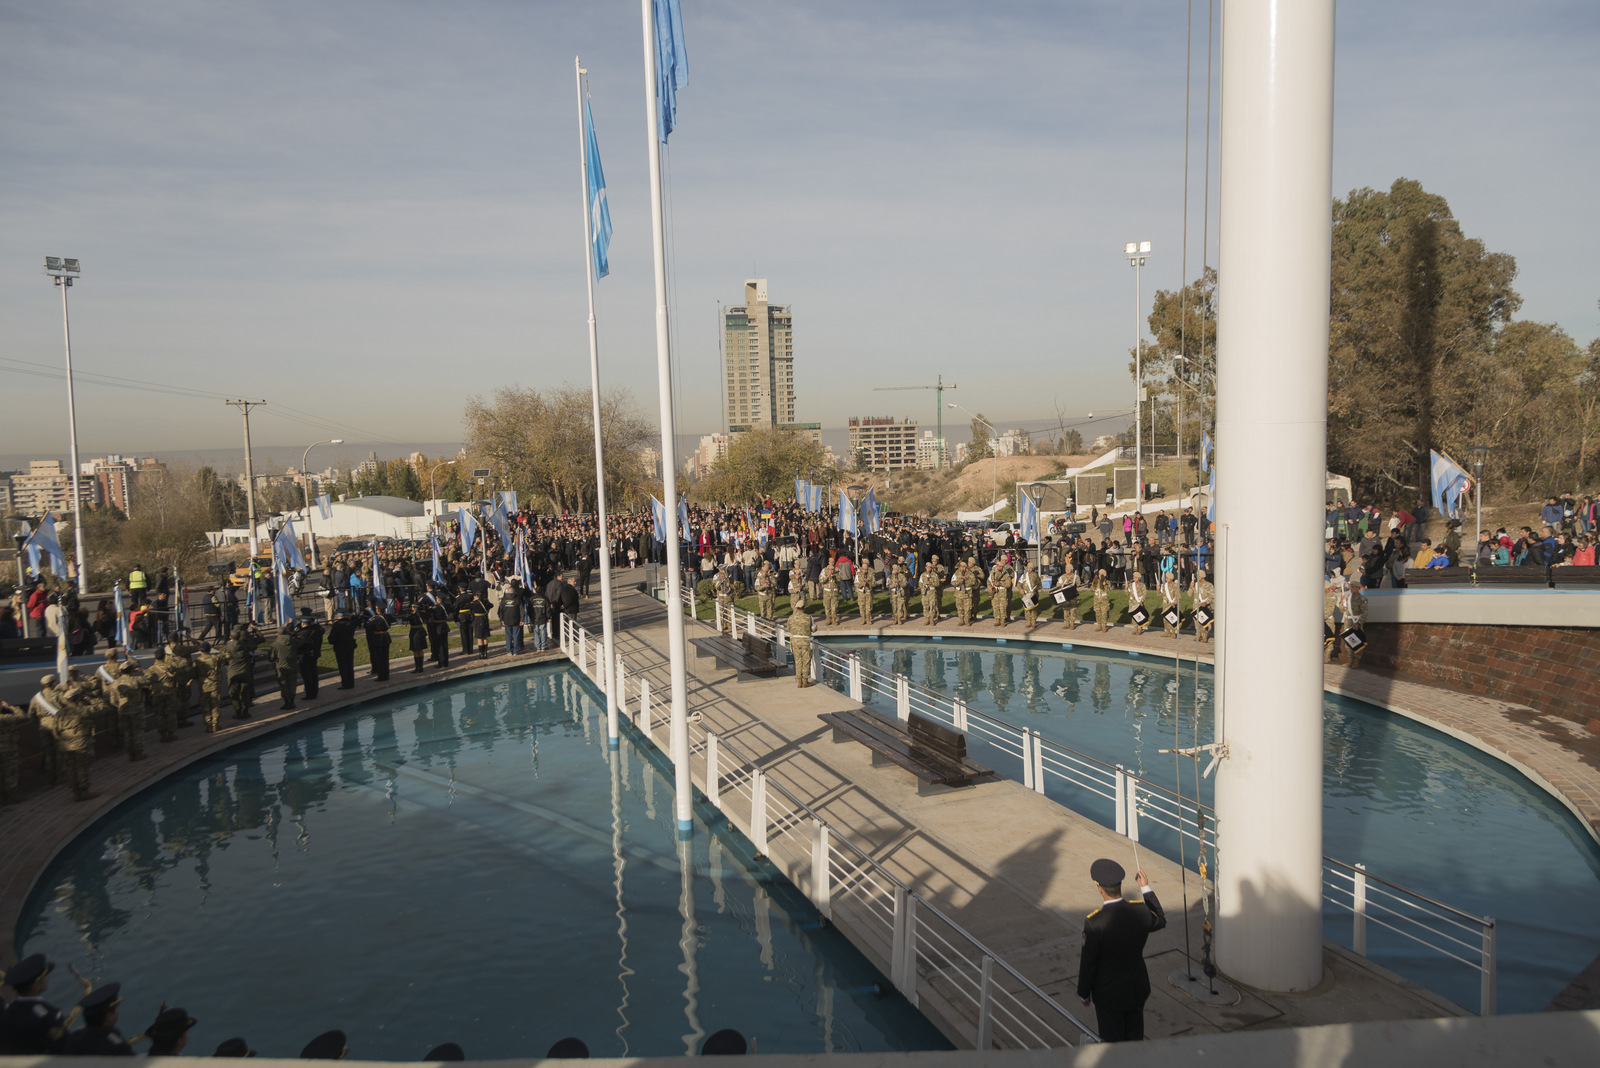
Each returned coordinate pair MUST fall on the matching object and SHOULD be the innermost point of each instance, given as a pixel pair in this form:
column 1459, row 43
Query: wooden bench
column 748, row 656
column 1575, row 575
column 934, row 753
column 1487, row 576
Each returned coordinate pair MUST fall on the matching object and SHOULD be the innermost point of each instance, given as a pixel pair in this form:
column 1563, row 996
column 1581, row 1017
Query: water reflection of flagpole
column 719, row 894
column 824, row 1004
column 614, row 758
column 688, row 942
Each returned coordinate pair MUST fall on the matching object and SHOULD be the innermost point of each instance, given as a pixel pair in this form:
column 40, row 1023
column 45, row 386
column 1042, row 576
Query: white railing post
column 1133, row 808
column 733, row 616
column 821, row 874
column 958, row 713
column 758, row 811
column 816, row 664
column 897, row 942
column 855, row 677
column 718, row 610
column 1027, row 759
column 622, row 681
column 1122, row 801
column 902, row 698
column 1486, row 993
column 644, row 706
column 1038, row 762
column 713, row 772
column 1358, row 893
column 583, row 650
column 985, row 1005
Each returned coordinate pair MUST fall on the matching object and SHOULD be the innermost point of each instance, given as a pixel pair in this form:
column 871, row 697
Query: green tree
column 760, row 462
column 1183, row 323
column 980, row 447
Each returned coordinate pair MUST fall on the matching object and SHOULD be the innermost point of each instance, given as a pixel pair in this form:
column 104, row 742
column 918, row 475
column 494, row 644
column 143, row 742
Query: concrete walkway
column 1007, row 864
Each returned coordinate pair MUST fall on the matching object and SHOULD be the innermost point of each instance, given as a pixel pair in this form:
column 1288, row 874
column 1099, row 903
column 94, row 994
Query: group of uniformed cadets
column 1344, row 619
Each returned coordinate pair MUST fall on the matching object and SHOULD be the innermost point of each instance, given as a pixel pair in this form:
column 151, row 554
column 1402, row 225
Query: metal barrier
column 1118, row 798
column 934, row 962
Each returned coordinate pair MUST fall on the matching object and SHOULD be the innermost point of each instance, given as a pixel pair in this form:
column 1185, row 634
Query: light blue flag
column 285, row 598
column 180, row 603
column 672, row 64
column 438, row 572
column 497, row 519
column 469, row 529
column 1205, row 452
column 599, row 207
column 43, row 540
column 290, row 547
column 1211, row 497
column 847, row 514
column 800, row 494
column 325, row 506
column 122, row 616
column 508, row 498
column 870, row 510
column 658, row 512
column 1029, row 514
column 1449, row 480
column 379, row 593
column 523, row 571
column 814, row 505
column 683, row 517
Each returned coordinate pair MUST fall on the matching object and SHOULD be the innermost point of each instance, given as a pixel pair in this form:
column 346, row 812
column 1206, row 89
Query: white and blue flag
column 469, row 529
column 869, row 508
column 43, row 540
column 683, row 517
column 658, row 512
column 847, row 514
column 814, row 499
column 497, row 519
column 285, row 547
column 1449, row 481
column 438, row 572
column 672, row 64
column 285, row 598
column 122, row 615
column 1028, row 512
column 599, row 208
column 379, row 593
column 801, row 494
column 508, row 498
column 1205, row 452
column 325, row 506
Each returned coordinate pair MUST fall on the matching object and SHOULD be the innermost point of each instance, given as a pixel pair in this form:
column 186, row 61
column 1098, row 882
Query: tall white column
column 1272, row 401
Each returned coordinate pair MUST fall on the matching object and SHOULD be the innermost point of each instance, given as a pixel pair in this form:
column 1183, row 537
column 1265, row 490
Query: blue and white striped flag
column 1449, row 480
column 1205, row 452
column 847, row 514
column 43, row 540
column 469, row 529
column 438, row 571
column 1028, row 513
column 683, row 517
column 122, row 615
column 870, row 510
column 508, row 498
column 599, row 207
column 379, row 593
column 658, row 513
column 285, row 598
column 325, row 507
column 497, row 519
column 800, row 494
column 287, row 546
column 672, row 64
column 814, row 499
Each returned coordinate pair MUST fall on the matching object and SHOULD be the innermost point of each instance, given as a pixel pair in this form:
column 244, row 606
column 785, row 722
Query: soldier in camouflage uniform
column 1000, row 582
column 1170, row 592
column 12, row 720
column 866, row 580
column 1101, row 588
column 45, row 707
column 212, row 671
column 105, row 680
column 1069, row 606
column 899, row 585
column 75, row 729
column 830, row 593
column 722, row 582
column 241, row 672
column 767, row 592
column 129, row 694
column 181, row 656
column 1028, row 595
column 931, row 591
column 163, row 696
column 963, row 587
column 284, row 652
column 800, row 645
column 1136, row 593
column 1355, row 618
column 1330, row 623
column 797, row 586
column 1203, row 594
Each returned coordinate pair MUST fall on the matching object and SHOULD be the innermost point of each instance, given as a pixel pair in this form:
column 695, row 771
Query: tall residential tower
column 758, row 361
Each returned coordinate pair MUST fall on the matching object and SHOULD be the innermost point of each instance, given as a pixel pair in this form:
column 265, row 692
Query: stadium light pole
column 1480, row 453
column 1136, row 251
column 63, row 272
column 305, row 487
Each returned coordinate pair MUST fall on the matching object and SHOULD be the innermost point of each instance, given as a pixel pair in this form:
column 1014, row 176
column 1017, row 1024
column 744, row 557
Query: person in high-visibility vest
column 138, row 583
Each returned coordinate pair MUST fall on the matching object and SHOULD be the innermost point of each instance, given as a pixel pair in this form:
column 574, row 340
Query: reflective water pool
column 1414, row 805
column 466, row 863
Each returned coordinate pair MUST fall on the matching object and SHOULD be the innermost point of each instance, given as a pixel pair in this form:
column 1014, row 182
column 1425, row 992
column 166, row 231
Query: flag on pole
column 180, row 603
column 508, row 498
column 497, row 519
column 122, row 615
column 1211, row 496
column 469, row 529
column 1205, row 452
column 43, row 540
column 1028, row 512
column 438, row 572
column 814, row 499
column 1449, row 480
column 800, row 491
column 870, row 511
column 672, row 64
column 847, row 514
column 683, row 516
column 325, row 507
column 599, row 207
column 379, row 593
column 658, row 512
column 288, row 546
column 285, row 603
column 63, row 656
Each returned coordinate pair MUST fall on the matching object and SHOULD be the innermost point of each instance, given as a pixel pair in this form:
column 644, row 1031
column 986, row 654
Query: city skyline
column 266, row 197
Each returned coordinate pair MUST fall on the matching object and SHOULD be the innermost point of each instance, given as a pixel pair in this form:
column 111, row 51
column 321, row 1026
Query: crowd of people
column 30, row 1025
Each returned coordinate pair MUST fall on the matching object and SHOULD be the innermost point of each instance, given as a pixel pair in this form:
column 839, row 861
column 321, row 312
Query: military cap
column 27, row 970
column 233, row 1047
column 449, row 1051
column 161, row 652
column 727, row 1042
column 170, row 1024
column 111, row 656
column 568, row 1049
column 47, row 680
column 101, row 996
column 1107, row 872
column 328, row 1046
column 305, row 613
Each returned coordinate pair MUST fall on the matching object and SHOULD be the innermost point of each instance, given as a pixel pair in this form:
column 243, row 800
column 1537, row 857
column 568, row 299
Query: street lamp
column 994, row 452
column 1136, row 251
column 431, row 498
column 64, row 271
column 305, row 487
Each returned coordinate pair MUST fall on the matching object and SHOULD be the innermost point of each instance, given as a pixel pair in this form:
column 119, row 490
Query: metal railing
column 933, row 961
column 1131, row 804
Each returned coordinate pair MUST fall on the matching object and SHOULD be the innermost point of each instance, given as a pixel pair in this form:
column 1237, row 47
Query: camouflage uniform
column 1203, row 594
column 75, row 729
column 12, row 720
column 1330, row 623
column 931, row 590
column 163, row 696
column 1069, row 607
column 105, row 681
column 800, row 645
column 213, row 674
column 767, row 593
column 866, row 579
column 830, row 594
column 963, row 587
column 1169, row 602
column 899, row 584
column 724, row 587
column 241, row 673
column 1135, row 599
column 1028, row 594
column 1102, row 601
column 1000, row 593
column 797, row 586
column 1355, row 619
column 183, row 676
column 46, row 706
column 129, row 694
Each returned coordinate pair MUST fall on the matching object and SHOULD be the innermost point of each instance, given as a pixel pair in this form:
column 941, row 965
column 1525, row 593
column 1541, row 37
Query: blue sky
column 370, row 211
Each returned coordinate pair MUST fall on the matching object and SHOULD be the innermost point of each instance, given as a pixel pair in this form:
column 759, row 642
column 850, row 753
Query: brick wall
column 1553, row 669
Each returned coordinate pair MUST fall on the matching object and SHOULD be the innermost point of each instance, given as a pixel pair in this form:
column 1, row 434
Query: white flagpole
column 607, row 621
column 679, row 734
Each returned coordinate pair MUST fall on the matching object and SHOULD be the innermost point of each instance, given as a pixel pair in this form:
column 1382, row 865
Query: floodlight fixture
column 1144, row 246
column 1130, row 248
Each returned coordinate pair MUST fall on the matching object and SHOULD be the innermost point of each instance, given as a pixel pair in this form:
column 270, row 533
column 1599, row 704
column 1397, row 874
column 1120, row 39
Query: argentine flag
column 658, row 512
column 1028, row 512
column 1449, row 480
column 672, row 64
column 847, row 514
column 599, row 208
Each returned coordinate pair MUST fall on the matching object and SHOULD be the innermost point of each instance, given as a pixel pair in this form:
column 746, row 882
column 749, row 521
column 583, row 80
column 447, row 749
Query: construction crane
column 938, row 411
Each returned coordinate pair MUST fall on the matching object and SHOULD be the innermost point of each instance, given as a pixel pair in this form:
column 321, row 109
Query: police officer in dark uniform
column 1111, row 969
column 30, row 1024
column 99, row 1036
column 342, row 637
column 309, row 639
column 377, row 629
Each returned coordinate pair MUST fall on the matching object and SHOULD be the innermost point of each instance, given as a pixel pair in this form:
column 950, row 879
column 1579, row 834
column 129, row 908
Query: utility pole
column 64, row 271
column 244, row 407
column 938, row 412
